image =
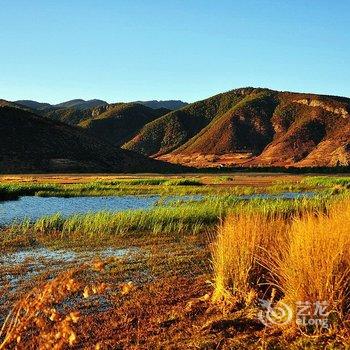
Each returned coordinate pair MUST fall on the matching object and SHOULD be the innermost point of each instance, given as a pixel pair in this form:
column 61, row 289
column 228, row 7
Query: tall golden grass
column 304, row 258
column 242, row 241
column 316, row 266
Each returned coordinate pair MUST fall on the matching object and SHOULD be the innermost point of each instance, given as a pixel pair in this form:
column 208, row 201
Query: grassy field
column 220, row 272
column 176, row 218
column 117, row 187
column 65, row 186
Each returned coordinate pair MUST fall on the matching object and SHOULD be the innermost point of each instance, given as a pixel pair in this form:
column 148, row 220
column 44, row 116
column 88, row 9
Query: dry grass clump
column 37, row 311
column 242, row 239
column 317, row 264
column 46, row 318
column 305, row 258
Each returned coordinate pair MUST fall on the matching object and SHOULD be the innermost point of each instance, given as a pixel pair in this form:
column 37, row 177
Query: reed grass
column 326, row 181
column 311, row 183
column 185, row 218
column 316, row 267
column 156, row 186
column 163, row 186
column 241, row 240
column 174, row 218
column 298, row 258
column 9, row 191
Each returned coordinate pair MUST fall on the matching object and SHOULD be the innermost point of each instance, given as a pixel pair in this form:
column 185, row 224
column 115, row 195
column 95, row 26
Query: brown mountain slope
column 244, row 127
column 252, row 127
column 118, row 123
column 30, row 143
column 310, row 130
column 169, row 132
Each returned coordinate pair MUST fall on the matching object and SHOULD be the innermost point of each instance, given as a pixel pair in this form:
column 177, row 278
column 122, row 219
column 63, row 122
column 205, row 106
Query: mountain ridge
column 169, row 104
column 86, row 104
column 252, row 127
column 248, row 127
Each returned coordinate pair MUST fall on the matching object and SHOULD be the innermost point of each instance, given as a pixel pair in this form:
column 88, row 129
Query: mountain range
column 247, row 127
column 32, row 143
column 80, row 104
column 252, row 127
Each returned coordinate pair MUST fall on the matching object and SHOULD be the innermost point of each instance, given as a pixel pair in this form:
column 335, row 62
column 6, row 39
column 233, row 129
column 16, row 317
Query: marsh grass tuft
column 243, row 239
column 316, row 266
column 304, row 256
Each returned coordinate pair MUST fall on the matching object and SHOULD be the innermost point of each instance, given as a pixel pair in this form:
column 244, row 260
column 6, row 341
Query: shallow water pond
column 33, row 207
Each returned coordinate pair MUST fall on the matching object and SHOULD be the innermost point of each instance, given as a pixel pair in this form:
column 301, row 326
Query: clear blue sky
column 128, row 50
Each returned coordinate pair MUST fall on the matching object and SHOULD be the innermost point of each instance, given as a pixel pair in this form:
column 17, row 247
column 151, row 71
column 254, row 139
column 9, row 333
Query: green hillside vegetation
column 243, row 127
column 174, row 129
column 69, row 116
column 115, row 123
column 120, row 121
column 168, row 104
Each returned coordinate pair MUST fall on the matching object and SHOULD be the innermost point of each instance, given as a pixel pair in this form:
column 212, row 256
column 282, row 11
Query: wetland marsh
column 163, row 251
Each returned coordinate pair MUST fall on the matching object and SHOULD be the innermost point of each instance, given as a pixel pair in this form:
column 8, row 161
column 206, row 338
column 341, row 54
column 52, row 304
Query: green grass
column 165, row 186
column 155, row 182
column 13, row 191
column 326, row 181
column 312, row 183
column 176, row 218
column 136, row 182
column 281, row 186
column 149, row 186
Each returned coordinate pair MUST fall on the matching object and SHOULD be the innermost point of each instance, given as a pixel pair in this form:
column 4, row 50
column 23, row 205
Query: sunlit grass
column 156, row 186
column 172, row 219
column 235, row 252
column 316, row 266
column 300, row 257
column 166, row 186
column 326, row 181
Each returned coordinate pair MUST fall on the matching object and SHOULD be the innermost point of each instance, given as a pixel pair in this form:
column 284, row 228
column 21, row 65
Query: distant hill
column 169, row 104
column 71, row 116
column 252, row 127
column 77, row 104
column 118, row 123
column 115, row 123
column 33, row 104
column 81, row 104
column 30, row 143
